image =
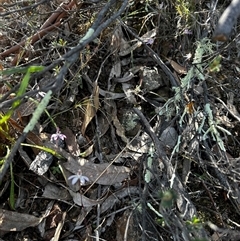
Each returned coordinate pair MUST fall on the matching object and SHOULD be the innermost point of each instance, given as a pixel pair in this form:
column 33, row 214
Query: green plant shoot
column 22, row 89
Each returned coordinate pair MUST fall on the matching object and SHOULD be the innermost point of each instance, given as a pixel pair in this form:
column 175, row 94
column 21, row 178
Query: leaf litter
column 105, row 173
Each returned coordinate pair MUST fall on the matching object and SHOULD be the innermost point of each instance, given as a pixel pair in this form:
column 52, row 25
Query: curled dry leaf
column 103, row 123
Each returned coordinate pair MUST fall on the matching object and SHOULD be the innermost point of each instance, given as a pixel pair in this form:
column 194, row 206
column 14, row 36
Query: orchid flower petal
column 84, row 179
column 76, row 178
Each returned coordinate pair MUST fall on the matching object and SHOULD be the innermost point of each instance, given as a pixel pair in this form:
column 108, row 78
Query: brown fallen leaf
column 103, row 174
column 127, row 228
column 91, row 109
column 82, row 216
column 81, row 200
column 116, row 197
column 177, row 67
column 119, row 129
column 14, row 221
column 71, row 142
column 54, row 192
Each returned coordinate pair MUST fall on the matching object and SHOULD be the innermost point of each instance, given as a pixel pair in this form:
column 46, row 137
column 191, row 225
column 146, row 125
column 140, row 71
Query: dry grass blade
column 92, row 106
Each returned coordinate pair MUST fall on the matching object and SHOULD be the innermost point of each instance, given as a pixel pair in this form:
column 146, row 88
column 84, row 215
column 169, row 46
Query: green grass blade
column 43, row 148
column 22, row 70
column 23, row 86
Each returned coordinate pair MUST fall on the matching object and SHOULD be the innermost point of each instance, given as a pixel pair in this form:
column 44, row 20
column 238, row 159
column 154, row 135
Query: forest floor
column 139, row 138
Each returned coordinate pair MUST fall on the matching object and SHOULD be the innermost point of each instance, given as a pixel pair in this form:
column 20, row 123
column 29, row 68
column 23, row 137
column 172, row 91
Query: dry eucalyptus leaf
column 91, row 109
column 127, row 222
column 117, row 196
column 117, row 38
column 177, row 67
column 81, row 200
column 52, row 191
column 89, row 114
column 118, row 42
column 81, row 217
column 103, row 174
column 116, row 70
column 119, row 129
column 32, row 138
column 71, row 142
column 14, row 221
column 96, row 97
column 25, row 109
column 169, row 137
column 103, row 123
